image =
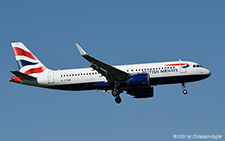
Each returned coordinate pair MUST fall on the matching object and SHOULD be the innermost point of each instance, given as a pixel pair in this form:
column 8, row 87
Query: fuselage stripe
column 179, row 64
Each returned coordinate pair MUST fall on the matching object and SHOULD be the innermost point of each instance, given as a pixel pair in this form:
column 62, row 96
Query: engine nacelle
column 142, row 92
column 139, row 80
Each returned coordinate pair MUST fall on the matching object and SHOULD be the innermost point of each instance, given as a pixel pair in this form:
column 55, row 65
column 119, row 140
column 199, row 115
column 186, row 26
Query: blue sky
column 116, row 32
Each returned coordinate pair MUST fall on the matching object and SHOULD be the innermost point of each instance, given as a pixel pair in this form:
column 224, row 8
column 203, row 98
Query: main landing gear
column 116, row 94
column 118, row 99
column 184, row 90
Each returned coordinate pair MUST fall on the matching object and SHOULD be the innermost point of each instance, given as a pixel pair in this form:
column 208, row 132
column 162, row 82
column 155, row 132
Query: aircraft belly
column 176, row 79
column 81, row 86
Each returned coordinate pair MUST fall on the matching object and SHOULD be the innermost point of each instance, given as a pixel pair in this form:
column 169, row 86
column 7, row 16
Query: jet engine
column 138, row 80
column 142, row 92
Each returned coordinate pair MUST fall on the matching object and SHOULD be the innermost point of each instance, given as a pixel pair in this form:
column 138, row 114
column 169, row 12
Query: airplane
column 137, row 80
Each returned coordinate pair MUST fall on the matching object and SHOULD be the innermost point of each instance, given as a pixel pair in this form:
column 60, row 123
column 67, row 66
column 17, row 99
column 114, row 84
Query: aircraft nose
column 207, row 72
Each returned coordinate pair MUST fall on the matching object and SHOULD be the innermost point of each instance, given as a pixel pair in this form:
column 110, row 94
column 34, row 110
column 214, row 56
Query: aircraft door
column 51, row 78
column 183, row 69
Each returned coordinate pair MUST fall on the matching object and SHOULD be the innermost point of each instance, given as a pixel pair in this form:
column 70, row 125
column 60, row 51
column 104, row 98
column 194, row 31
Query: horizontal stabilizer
column 23, row 75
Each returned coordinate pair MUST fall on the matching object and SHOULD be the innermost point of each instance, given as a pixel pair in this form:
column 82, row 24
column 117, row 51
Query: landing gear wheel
column 115, row 93
column 185, row 91
column 118, row 100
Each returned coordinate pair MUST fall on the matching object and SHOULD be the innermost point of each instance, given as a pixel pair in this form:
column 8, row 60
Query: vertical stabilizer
column 26, row 60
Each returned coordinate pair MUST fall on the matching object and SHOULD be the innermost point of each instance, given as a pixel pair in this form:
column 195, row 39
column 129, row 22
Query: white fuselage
column 159, row 73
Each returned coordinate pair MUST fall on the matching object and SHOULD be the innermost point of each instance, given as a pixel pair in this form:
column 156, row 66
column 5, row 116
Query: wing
column 111, row 73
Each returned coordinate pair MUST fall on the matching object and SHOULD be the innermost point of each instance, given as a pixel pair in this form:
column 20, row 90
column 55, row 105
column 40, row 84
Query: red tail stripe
column 35, row 70
column 20, row 52
column 179, row 64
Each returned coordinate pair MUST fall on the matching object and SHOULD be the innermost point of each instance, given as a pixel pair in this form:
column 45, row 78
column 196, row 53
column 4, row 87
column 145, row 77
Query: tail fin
column 27, row 62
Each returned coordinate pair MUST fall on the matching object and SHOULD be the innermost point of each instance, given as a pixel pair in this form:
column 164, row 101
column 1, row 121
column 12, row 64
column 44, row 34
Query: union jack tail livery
column 30, row 68
column 27, row 62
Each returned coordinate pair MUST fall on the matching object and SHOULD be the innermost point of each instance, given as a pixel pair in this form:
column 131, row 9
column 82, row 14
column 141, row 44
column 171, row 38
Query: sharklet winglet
column 82, row 52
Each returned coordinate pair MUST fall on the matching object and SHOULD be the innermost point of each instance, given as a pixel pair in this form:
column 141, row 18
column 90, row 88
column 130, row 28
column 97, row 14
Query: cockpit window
column 197, row 66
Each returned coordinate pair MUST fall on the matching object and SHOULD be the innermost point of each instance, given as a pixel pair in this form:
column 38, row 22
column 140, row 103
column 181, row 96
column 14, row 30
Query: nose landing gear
column 184, row 90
